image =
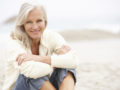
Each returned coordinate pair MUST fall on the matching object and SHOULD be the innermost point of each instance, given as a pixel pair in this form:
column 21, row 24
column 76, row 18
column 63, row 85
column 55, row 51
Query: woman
column 38, row 59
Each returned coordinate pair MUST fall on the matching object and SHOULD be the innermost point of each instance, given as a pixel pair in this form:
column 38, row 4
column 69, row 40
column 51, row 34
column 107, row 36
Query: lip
column 35, row 32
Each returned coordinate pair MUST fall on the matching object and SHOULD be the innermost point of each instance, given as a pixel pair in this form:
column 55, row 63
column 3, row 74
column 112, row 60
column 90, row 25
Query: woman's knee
column 73, row 73
column 59, row 74
column 68, row 82
column 47, row 86
column 62, row 73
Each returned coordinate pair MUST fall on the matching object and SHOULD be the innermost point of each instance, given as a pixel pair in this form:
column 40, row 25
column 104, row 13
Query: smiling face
column 35, row 24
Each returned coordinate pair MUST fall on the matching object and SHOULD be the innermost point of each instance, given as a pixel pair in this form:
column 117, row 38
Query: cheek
column 43, row 26
column 27, row 28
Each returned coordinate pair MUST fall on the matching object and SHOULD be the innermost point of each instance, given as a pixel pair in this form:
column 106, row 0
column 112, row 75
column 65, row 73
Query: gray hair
column 19, row 31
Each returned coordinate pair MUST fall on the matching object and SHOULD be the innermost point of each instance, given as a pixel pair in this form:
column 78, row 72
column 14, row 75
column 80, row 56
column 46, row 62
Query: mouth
column 35, row 32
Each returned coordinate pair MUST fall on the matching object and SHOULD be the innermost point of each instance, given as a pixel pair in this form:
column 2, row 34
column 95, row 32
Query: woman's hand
column 44, row 59
column 29, row 57
column 63, row 50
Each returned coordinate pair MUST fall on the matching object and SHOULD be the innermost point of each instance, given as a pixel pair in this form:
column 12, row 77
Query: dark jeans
column 25, row 83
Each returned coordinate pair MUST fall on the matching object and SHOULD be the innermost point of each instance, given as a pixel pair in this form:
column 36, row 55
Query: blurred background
column 83, row 19
column 91, row 27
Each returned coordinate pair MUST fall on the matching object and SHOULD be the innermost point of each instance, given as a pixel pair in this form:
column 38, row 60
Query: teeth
column 34, row 31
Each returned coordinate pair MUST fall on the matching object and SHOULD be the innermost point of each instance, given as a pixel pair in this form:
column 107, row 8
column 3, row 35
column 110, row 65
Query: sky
column 72, row 14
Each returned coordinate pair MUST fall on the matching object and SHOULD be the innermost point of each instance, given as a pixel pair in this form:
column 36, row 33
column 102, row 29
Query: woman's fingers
column 20, row 61
column 64, row 49
column 67, row 48
column 28, row 57
column 20, row 58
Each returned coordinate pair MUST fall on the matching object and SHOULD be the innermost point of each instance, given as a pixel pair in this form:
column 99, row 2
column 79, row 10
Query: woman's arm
column 66, row 60
column 64, row 56
column 30, row 69
column 29, row 57
column 44, row 59
column 35, row 69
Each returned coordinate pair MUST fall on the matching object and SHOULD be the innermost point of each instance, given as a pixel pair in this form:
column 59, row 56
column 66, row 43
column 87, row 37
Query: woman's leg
column 21, row 83
column 24, row 83
column 47, row 86
column 68, row 82
column 62, row 78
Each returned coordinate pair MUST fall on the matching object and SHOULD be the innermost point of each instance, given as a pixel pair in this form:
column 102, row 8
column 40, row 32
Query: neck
column 36, row 42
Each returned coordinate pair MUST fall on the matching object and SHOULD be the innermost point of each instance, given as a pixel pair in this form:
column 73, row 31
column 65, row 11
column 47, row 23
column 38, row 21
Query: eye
column 28, row 22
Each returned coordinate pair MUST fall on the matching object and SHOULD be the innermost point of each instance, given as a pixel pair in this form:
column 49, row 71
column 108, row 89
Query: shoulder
column 49, row 33
column 52, row 35
column 13, row 44
column 52, row 39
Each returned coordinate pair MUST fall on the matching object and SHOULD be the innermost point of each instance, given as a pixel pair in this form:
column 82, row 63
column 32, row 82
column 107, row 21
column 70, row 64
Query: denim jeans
column 25, row 83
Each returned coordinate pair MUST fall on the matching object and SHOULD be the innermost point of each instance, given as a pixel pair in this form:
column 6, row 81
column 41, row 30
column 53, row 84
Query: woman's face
column 35, row 24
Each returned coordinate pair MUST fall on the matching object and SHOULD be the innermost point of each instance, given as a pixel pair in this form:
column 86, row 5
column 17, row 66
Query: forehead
column 35, row 13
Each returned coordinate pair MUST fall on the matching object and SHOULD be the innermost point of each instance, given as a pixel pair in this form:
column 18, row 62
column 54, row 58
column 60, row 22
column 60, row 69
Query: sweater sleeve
column 30, row 69
column 68, row 60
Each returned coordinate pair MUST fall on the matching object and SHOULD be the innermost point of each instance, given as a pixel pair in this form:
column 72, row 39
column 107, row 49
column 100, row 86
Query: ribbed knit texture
column 50, row 43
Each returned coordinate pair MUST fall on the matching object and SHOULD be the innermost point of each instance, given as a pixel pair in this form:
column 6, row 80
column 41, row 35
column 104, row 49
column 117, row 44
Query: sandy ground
column 98, row 67
column 99, row 64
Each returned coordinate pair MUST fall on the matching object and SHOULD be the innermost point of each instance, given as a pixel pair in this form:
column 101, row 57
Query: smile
column 35, row 32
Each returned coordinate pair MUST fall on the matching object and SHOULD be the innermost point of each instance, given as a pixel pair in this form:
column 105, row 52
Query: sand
column 99, row 64
column 98, row 67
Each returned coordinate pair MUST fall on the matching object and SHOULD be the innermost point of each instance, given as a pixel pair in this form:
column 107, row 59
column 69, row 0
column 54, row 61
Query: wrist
column 48, row 60
column 45, row 59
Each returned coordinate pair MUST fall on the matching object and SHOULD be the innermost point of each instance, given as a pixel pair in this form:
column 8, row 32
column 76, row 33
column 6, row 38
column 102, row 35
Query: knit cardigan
column 50, row 43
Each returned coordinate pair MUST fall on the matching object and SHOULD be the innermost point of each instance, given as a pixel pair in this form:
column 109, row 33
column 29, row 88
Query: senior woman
column 38, row 59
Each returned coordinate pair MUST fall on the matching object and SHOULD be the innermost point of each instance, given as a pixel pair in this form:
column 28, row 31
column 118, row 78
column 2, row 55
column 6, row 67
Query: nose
column 34, row 26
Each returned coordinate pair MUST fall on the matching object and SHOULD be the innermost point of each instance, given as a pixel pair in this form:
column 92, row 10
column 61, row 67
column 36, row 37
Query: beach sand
column 99, row 64
column 98, row 67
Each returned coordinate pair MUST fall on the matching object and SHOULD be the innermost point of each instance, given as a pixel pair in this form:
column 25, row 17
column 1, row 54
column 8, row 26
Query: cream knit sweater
column 50, row 42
